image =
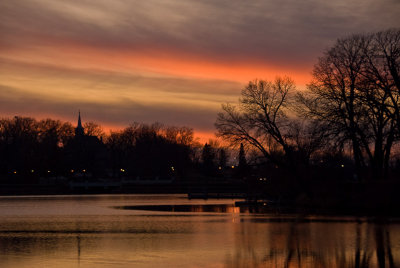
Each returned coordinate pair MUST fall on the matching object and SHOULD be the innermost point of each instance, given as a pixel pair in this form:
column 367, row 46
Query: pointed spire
column 79, row 131
column 79, row 120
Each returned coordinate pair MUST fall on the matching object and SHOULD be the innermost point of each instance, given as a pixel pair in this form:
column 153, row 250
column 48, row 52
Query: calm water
column 128, row 231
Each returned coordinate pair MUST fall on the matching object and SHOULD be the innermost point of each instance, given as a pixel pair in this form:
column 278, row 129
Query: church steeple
column 79, row 131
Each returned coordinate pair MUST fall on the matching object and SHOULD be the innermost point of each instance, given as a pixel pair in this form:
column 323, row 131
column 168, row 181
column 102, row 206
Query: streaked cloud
column 172, row 61
column 120, row 98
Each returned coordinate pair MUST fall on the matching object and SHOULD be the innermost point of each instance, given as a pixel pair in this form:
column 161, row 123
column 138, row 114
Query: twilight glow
column 169, row 61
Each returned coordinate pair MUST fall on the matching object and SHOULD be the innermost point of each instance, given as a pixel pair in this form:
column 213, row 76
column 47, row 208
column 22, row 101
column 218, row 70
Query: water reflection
column 261, row 208
column 357, row 245
column 216, row 208
column 162, row 234
column 78, row 239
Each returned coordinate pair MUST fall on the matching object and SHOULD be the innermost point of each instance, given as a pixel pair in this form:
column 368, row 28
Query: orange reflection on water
column 46, row 232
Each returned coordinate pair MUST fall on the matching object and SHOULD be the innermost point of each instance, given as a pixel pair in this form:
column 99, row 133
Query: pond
column 172, row 231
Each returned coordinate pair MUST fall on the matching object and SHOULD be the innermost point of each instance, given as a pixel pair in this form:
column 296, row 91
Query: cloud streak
column 116, row 98
column 171, row 61
column 125, row 113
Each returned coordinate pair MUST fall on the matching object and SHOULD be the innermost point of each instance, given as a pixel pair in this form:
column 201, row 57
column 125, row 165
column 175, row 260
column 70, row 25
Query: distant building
column 86, row 155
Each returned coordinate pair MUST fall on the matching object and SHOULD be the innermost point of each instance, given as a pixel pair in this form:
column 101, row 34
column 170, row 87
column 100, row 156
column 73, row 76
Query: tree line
column 31, row 149
column 349, row 115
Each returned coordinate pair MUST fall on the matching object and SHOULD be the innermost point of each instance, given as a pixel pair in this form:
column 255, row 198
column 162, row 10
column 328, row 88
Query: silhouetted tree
column 382, row 67
column 354, row 95
column 19, row 144
column 94, row 129
column 264, row 119
column 242, row 168
column 53, row 135
column 222, row 158
column 121, row 150
column 29, row 147
column 242, row 157
column 151, row 150
column 208, row 159
column 179, row 135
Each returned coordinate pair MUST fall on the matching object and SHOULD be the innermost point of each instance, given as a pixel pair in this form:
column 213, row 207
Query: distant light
column 72, row 171
column 84, row 170
column 233, row 166
column 32, row 171
column 342, row 165
column 172, row 168
column 235, row 210
column 48, row 171
column 15, row 172
column 219, row 168
column 122, row 170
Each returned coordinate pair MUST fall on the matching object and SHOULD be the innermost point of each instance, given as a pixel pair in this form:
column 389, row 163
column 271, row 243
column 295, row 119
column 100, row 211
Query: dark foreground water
column 171, row 231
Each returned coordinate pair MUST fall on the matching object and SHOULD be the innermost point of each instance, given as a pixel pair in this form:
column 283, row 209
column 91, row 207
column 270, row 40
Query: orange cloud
column 156, row 61
column 147, row 62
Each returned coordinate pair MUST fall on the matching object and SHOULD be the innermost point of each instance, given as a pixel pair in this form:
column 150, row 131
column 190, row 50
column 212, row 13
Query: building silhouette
column 86, row 154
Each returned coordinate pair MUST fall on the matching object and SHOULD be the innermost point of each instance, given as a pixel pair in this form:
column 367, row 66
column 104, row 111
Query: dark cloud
column 280, row 32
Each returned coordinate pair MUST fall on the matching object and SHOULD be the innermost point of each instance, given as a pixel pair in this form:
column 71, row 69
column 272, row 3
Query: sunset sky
column 170, row 61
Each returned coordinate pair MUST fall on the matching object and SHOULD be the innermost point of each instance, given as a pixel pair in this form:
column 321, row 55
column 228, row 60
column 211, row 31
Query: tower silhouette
column 79, row 130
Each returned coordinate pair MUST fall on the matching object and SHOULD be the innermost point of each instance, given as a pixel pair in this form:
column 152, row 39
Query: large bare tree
column 354, row 92
column 264, row 119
